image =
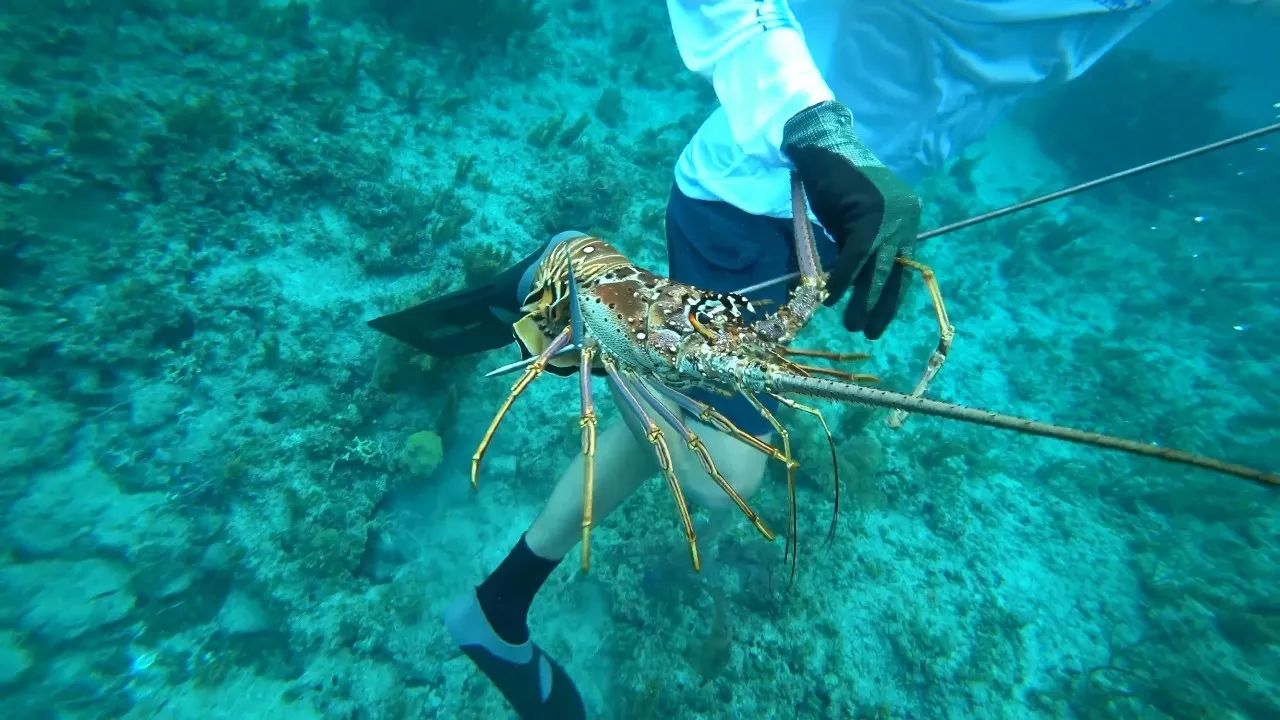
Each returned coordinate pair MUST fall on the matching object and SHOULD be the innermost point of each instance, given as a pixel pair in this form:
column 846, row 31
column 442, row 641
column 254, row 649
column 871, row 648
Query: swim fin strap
column 462, row 322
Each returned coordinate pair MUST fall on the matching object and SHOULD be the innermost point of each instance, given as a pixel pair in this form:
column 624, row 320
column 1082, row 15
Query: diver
column 860, row 98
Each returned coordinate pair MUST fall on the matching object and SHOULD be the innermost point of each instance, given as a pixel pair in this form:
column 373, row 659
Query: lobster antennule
column 849, row 392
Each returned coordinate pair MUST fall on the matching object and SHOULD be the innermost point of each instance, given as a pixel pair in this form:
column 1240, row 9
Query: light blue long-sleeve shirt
column 922, row 77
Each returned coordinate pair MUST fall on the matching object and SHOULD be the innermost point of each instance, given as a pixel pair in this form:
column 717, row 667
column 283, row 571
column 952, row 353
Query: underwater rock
column 383, row 555
column 81, row 512
column 244, row 614
column 163, row 571
column 65, row 600
column 58, row 515
column 155, row 405
column 14, row 658
column 37, row 432
column 217, row 557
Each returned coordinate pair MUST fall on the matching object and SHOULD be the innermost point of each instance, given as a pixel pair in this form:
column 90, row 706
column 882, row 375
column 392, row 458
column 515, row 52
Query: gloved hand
column 872, row 214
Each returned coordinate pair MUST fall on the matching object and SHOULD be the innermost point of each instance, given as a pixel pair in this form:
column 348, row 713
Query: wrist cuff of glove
column 827, row 126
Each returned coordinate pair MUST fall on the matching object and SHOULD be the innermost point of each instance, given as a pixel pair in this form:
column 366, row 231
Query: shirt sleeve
column 754, row 54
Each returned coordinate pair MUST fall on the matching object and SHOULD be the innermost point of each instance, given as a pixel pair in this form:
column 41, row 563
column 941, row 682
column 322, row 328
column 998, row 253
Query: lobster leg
column 527, row 377
column 663, row 452
column 810, row 370
column 695, row 444
column 835, row 464
column 716, row 419
column 946, row 331
column 848, row 376
column 793, row 545
column 826, row 354
column 588, row 425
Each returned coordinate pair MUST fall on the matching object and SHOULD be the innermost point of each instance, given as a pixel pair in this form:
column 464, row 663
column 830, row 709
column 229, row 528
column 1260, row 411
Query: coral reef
column 422, row 453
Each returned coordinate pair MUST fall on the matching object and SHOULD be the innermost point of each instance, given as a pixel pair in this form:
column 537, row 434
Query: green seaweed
column 200, row 121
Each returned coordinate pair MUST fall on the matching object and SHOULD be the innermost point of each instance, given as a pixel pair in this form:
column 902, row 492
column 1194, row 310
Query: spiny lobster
column 655, row 337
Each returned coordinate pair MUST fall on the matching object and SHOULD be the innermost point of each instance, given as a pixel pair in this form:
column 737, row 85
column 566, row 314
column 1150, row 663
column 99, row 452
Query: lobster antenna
column 1049, row 197
column 851, row 392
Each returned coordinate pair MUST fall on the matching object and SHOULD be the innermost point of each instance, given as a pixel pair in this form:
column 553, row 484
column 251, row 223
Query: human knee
column 740, row 465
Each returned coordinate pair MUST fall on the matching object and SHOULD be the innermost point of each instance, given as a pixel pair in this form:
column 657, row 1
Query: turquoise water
column 212, row 505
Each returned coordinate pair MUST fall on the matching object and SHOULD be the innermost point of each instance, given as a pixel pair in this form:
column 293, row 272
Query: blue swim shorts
column 715, row 246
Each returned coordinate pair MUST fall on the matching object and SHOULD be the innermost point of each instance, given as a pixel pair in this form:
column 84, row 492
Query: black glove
column 872, row 214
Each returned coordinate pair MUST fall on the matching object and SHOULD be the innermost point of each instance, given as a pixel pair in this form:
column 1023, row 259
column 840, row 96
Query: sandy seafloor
column 209, row 511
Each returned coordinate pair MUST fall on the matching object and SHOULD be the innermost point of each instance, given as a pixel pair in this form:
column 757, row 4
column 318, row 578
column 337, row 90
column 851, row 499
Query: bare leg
column 741, row 465
column 490, row 624
column 624, row 461
column 622, row 464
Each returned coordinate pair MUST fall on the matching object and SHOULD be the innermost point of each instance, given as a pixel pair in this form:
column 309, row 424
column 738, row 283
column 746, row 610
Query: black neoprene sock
column 505, row 596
